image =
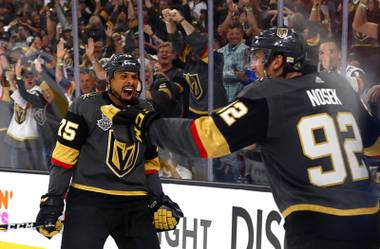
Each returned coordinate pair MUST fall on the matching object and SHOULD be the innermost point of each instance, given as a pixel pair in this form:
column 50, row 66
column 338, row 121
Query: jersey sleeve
column 152, row 163
column 72, row 133
column 198, row 44
column 241, row 123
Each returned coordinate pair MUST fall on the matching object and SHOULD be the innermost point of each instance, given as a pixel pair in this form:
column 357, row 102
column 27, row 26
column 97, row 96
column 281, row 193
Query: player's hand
column 166, row 15
column 51, row 207
column 175, row 15
column 167, row 216
column 122, row 132
column 133, row 123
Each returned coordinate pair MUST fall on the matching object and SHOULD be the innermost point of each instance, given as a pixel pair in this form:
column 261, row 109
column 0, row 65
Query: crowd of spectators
column 37, row 75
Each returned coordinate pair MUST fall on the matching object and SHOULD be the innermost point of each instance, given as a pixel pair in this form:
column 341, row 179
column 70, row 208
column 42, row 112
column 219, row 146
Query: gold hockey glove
column 164, row 220
column 167, row 216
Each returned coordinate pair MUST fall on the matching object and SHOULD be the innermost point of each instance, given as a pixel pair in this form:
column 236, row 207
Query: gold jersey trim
column 166, row 91
column 107, row 191
column 329, row 210
column 212, row 140
column 196, row 111
column 373, row 150
column 153, row 164
column 65, row 154
column 21, row 138
column 180, row 87
column 9, row 245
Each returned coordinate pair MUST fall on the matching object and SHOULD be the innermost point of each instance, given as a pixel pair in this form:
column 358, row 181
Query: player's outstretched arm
column 241, row 123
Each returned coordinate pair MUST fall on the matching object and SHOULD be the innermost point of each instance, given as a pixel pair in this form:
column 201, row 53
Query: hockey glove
column 167, row 216
column 122, row 132
column 51, row 207
column 133, row 123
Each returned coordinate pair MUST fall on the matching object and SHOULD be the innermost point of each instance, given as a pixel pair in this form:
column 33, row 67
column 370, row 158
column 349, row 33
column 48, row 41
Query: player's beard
column 126, row 97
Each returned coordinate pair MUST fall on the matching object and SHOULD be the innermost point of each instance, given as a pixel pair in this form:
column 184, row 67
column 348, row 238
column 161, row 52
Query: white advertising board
column 214, row 217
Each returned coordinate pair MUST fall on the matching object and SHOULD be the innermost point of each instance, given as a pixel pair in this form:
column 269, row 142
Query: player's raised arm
column 207, row 137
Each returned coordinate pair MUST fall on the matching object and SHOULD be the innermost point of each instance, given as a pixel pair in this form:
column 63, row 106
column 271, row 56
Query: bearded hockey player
column 112, row 187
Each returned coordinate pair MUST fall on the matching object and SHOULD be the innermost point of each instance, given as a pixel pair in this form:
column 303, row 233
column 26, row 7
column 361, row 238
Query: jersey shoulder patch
column 88, row 95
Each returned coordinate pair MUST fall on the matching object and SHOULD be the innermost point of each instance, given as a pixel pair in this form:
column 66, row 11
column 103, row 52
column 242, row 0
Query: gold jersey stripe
column 107, row 191
column 373, row 150
column 212, row 140
column 153, row 164
column 65, row 154
column 196, row 111
column 180, row 87
column 329, row 210
column 109, row 110
column 17, row 138
column 166, row 91
column 9, row 245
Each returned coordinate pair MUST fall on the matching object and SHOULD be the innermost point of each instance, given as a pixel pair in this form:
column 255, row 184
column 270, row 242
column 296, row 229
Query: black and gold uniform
column 193, row 52
column 109, row 186
column 312, row 131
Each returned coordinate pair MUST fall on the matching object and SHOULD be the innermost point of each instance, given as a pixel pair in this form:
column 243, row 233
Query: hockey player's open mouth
column 127, row 92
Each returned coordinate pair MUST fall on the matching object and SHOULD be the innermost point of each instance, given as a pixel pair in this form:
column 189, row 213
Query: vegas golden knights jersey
column 312, row 130
column 196, row 72
column 100, row 163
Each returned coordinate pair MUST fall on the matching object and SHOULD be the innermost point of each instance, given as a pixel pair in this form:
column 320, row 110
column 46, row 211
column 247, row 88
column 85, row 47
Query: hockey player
column 312, row 129
column 110, row 179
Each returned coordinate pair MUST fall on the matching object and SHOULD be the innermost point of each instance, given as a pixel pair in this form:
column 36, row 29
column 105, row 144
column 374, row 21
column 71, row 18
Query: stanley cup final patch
column 282, row 32
column 104, row 123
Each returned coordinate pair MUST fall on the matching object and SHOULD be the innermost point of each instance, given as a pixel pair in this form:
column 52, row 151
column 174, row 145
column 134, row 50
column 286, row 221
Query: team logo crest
column 104, row 123
column 20, row 114
column 360, row 36
column 195, row 85
column 282, row 32
column 40, row 116
column 121, row 157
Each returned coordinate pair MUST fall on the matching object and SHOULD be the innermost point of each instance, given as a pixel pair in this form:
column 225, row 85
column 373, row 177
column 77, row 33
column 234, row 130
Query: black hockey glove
column 51, row 207
column 166, row 214
column 132, row 124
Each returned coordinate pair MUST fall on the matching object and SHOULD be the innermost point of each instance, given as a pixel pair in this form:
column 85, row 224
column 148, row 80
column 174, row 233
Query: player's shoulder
column 274, row 87
column 90, row 97
column 269, row 87
column 87, row 101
